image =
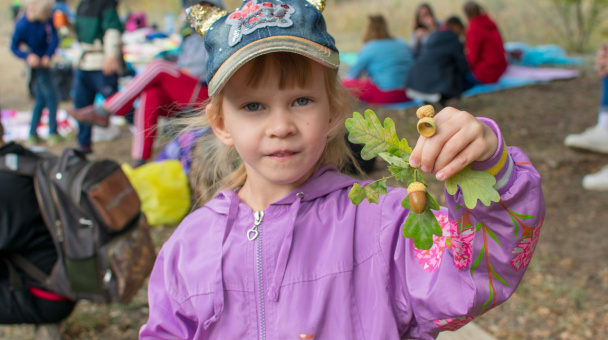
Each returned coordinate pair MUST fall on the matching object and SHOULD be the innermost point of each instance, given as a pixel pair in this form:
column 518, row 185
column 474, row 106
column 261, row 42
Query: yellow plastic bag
column 163, row 190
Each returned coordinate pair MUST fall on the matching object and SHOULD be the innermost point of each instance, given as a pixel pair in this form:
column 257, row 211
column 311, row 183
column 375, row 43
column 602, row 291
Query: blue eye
column 302, row 101
column 253, row 106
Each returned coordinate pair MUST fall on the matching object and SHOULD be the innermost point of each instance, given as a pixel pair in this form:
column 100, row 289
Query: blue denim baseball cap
column 260, row 27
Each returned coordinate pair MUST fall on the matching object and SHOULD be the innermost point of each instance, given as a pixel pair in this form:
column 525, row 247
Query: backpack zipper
column 257, row 230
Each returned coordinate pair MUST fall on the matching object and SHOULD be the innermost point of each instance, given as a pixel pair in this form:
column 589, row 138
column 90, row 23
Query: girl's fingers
column 453, row 148
column 459, row 162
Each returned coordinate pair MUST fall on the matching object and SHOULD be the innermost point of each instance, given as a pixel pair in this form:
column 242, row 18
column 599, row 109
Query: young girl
column 35, row 41
column 280, row 252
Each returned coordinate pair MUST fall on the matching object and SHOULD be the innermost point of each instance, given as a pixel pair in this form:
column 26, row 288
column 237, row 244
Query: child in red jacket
column 484, row 47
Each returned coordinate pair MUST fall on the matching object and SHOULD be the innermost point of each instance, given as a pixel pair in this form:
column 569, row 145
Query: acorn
column 425, row 111
column 426, row 126
column 416, row 193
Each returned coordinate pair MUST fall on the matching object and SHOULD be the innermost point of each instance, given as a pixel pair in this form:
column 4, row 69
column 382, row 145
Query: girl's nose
column 281, row 124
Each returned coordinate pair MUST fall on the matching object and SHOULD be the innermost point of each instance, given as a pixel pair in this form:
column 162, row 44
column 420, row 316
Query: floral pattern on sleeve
column 454, row 237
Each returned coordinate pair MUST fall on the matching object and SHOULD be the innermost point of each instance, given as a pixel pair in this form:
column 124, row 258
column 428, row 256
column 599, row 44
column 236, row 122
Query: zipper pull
column 252, row 233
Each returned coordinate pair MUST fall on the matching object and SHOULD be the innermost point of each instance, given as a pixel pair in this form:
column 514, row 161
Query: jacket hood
column 325, row 180
column 483, row 20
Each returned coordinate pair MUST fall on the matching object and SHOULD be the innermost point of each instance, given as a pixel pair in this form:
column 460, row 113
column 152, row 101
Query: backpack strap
column 29, row 268
column 22, row 165
column 14, row 280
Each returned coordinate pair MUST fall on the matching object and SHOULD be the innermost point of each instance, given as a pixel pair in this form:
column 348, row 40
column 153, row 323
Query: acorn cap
column 425, row 111
column 416, row 186
column 426, row 126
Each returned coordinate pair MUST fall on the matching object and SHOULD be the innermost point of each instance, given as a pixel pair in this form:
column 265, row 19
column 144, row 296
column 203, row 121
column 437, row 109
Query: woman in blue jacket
column 378, row 75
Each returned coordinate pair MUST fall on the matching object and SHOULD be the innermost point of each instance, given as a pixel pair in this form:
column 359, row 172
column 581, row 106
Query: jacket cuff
column 500, row 165
column 111, row 43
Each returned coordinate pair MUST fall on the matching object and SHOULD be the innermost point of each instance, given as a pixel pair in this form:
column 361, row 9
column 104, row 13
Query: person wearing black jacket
column 439, row 70
column 23, row 231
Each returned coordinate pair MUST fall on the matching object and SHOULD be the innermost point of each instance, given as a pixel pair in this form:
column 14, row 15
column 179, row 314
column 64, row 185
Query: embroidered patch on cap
column 253, row 16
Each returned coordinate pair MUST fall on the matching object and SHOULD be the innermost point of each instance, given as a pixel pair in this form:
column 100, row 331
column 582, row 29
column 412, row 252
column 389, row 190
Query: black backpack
column 104, row 248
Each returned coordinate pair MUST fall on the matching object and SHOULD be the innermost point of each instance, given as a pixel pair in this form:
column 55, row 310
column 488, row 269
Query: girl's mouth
column 282, row 154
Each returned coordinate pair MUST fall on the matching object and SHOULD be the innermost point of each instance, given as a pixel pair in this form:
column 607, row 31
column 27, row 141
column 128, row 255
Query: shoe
column 49, row 331
column 85, row 149
column 597, row 181
column 88, row 114
column 54, row 139
column 593, row 139
column 32, row 140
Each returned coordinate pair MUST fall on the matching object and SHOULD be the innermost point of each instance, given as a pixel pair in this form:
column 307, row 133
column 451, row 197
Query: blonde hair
column 376, row 29
column 217, row 167
column 39, row 6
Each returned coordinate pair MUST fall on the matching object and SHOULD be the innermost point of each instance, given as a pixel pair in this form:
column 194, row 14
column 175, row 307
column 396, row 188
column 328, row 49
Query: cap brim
column 282, row 43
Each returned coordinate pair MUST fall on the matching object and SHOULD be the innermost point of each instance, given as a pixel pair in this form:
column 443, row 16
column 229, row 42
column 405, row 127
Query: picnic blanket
column 514, row 76
column 522, row 71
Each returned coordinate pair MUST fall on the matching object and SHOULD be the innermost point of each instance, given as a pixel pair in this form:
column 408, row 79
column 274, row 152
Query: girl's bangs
column 292, row 69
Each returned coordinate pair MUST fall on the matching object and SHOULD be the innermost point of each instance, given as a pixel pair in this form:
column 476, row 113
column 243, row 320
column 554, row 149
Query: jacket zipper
column 257, row 233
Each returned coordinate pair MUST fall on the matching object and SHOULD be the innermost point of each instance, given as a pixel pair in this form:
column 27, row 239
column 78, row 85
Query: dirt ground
column 563, row 294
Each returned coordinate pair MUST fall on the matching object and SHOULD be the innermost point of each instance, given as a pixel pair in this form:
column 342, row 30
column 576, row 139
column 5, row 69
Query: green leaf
column 401, row 174
column 490, row 298
column 431, row 203
column 393, row 160
column 478, row 261
column 522, row 216
column 356, row 194
column 421, row 228
column 377, row 138
column 374, row 190
column 499, row 278
column 515, row 225
column 493, row 236
column 475, row 185
column 478, row 227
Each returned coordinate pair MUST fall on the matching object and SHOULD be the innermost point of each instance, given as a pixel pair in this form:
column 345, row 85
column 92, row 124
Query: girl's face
column 280, row 134
column 425, row 18
column 37, row 13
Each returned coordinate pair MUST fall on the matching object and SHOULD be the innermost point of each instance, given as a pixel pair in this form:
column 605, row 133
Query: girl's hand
column 33, row 60
column 45, row 61
column 460, row 140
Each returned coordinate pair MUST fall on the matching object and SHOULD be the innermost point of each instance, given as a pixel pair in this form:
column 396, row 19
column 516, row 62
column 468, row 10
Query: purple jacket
column 323, row 268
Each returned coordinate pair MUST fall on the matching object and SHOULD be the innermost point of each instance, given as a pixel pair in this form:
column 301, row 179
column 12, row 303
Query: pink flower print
column 525, row 249
column 431, row 259
column 453, row 324
column 462, row 245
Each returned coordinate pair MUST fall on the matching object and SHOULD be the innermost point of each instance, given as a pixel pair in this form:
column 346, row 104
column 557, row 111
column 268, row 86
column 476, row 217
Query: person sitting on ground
column 35, row 40
column 425, row 23
column 163, row 89
column 385, row 61
column 484, row 47
column 22, row 231
column 439, row 72
column 595, row 138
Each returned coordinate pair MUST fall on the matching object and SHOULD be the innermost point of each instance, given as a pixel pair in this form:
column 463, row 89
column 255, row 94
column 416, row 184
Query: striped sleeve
column 500, row 165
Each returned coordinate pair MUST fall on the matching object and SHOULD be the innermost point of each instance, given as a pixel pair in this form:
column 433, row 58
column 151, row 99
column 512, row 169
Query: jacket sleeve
column 16, row 40
column 360, row 66
column 168, row 317
column 479, row 260
column 460, row 60
column 472, row 47
column 50, row 50
column 112, row 28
